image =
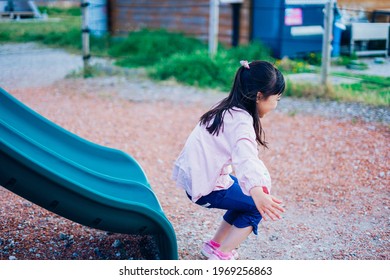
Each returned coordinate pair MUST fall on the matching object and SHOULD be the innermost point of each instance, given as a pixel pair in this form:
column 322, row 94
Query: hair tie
column 245, row 64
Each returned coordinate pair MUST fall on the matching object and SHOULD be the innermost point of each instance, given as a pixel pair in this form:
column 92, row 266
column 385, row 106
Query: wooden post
column 326, row 41
column 213, row 27
column 236, row 7
column 85, row 38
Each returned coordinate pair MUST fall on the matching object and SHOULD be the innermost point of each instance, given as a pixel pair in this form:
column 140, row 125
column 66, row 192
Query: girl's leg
column 238, row 222
column 234, row 238
column 230, row 237
column 222, row 232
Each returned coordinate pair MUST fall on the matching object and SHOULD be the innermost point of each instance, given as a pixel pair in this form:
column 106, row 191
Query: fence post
column 213, row 27
column 326, row 41
column 85, row 38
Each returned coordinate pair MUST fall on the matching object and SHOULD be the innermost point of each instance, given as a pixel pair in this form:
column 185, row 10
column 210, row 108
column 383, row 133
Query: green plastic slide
column 95, row 186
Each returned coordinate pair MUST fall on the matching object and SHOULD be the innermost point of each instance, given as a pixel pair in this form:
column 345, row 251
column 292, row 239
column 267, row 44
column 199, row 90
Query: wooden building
column 366, row 5
column 190, row 17
column 375, row 10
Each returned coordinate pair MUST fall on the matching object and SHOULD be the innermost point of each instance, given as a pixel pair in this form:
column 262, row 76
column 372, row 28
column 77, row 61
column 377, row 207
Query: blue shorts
column 241, row 209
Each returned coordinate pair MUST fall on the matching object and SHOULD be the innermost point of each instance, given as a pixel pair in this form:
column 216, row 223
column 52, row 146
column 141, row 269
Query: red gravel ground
column 332, row 175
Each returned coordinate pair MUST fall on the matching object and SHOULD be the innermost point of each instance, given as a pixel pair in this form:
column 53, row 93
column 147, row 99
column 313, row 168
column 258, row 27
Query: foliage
column 196, row 69
column 200, row 69
column 146, row 47
column 313, row 59
column 57, row 11
column 344, row 60
column 253, row 51
column 63, row 32
column 289, row 66
column 372, row 90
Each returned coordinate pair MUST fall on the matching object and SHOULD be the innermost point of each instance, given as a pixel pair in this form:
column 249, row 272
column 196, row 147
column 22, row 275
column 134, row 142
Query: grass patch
column 63, row 33
column 147, row 47
column 307, row 90
column 373, row 90
column 60, row 12
column 62, row 29
column 363, row 93
column 196, row 69
column 344, row 60
column 378, row 80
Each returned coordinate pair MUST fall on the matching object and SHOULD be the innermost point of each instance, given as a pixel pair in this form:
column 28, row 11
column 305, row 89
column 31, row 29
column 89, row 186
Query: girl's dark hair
column 261, row 77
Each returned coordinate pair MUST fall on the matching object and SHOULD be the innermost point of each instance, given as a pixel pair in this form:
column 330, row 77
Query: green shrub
column 72, row 38
column 196, row 69
column 370, row 90
column 146, row 47
column 313, row 58
column 57, row 11
column 199, row 69
column 253, row 51
column 344, row 60
column 289, row 66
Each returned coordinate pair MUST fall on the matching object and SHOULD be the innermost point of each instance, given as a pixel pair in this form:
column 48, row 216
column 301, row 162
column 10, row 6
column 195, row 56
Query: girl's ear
column 259, row 96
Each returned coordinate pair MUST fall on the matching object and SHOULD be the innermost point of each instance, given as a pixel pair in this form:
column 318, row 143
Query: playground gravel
column 333, row 175
column 330, row 167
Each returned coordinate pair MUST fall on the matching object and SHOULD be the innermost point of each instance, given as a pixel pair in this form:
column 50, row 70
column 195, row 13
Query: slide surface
column 90, row 184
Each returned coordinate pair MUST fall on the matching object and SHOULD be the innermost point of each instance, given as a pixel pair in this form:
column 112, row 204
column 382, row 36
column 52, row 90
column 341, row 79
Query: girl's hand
column 266, row 204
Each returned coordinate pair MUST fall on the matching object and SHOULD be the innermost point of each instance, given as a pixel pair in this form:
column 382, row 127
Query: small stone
column 97, row 252
column 63, row 236
column 32, row 250
column 27, row 204
column 12, row 258
column 273, row 238
column 117, row 243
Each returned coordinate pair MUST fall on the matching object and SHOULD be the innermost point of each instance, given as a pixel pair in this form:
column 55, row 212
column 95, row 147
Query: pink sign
column 293, row 16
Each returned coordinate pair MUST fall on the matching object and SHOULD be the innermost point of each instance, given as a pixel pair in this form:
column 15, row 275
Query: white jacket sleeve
column 249, row 169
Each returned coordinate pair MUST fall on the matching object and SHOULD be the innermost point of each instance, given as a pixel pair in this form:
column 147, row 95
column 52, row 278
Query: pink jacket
column 206, row 160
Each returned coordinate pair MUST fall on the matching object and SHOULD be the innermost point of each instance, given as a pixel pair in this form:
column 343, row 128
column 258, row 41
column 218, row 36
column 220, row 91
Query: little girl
column 226, row 140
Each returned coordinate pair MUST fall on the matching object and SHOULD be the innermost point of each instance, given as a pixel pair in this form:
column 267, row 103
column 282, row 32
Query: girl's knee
column 246, row 219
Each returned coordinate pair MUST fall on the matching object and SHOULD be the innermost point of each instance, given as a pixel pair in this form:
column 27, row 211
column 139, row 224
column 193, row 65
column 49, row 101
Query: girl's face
column 264, row 106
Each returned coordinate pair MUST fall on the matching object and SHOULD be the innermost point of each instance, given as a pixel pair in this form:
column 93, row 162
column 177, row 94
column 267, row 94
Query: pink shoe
column 218, row 255
column 210, row 246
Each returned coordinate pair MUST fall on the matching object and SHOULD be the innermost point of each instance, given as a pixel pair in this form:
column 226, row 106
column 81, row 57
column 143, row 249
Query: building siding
column 189, row 17
column 353, row 7
column 367, row 5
